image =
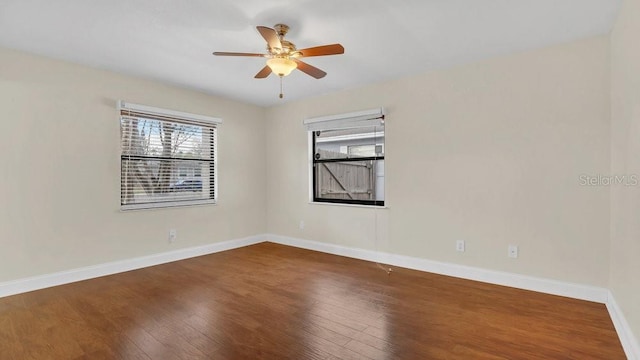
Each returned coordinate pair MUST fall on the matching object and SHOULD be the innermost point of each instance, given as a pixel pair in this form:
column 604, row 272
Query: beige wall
column 490, row 153
column 625, row 145
column 59, row 161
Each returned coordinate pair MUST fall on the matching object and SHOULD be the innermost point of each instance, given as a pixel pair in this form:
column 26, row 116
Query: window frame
column 205, row 123
column 357, row 118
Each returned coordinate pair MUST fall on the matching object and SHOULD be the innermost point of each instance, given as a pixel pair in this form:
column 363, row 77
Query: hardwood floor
column 269, row 301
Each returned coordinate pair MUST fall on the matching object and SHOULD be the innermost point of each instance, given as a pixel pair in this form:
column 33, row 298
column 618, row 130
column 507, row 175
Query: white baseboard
column 627, row 338
column 548, row 286
column 578, row 291
column 90, row 272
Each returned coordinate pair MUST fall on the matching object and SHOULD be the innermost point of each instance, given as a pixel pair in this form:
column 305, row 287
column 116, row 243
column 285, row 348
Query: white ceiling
column 172, row 40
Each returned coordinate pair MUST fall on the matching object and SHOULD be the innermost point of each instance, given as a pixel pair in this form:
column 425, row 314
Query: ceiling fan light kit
column 283, row 56
column 281, row 66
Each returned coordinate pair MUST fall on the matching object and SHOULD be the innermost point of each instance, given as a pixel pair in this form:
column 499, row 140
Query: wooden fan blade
column 266, row 71
column 333, row 49
column 309, row 69
column 218, row 53
column 273, row 40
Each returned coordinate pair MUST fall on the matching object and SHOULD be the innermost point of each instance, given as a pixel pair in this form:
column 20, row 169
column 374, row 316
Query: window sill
column 166, row 205
column 348, row 205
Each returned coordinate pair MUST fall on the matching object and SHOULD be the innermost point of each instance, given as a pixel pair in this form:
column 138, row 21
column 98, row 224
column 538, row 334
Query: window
column 347, row 161
column 168, row 158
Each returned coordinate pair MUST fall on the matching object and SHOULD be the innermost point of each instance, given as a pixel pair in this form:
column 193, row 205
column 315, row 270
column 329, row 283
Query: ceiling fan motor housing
column 287, row 47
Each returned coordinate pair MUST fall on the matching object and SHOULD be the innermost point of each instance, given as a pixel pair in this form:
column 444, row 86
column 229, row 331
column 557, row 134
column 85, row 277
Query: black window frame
column 315, row 163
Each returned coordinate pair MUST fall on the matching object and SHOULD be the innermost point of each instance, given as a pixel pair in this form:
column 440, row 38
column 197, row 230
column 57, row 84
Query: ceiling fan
column 283, row 57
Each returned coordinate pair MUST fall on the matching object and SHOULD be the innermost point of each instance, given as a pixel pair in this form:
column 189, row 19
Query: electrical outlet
column 460, row 245
column 513, row 251
column 301, row 225
column 173, row 234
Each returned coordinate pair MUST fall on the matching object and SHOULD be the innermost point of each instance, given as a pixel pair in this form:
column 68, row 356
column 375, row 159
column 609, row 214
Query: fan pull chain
column 281, row 96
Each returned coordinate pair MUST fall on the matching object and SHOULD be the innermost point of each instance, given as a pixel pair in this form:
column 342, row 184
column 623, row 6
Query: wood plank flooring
column 269, row 301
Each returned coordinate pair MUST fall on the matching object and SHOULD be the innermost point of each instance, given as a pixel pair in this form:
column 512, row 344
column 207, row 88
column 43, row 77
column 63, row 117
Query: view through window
column 348, row 165
column 166, row 161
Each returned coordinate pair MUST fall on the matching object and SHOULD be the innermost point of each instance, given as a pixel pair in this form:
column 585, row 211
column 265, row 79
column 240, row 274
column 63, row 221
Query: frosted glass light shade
column 281, row 66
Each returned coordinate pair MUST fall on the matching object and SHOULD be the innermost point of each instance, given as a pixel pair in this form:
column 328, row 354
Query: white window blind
column 373, row 117
column 168, row 158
